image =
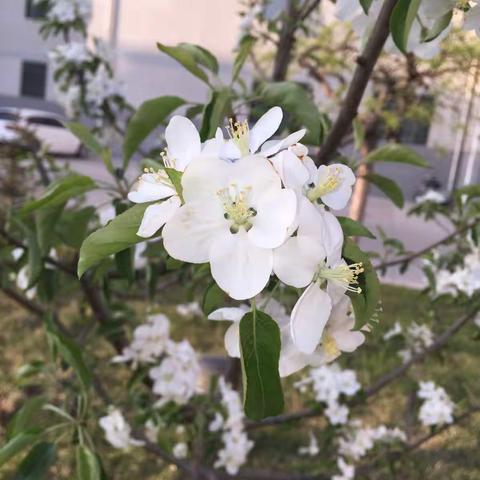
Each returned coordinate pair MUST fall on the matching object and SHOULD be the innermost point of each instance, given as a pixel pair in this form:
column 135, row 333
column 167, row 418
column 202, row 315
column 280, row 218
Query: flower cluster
column 236, row 444
column 118, row 431
column 328, row 383
column 358, row 440
column 462, row 279
column 418, row 337
column 149, row 342
column 176, row 377
column 253, row 207
column 437, row 407
column 69, row 11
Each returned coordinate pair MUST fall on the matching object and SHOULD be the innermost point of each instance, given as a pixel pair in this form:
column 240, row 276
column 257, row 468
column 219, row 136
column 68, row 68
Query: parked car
column 47, row 126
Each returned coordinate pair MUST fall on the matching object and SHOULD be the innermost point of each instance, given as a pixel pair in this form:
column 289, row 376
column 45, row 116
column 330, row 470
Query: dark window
column 50, row 122
column 34, row 79
column 8, row 116
column 36, row 9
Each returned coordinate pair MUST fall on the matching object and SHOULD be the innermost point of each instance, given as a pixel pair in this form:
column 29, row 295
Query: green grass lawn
column 453, row 455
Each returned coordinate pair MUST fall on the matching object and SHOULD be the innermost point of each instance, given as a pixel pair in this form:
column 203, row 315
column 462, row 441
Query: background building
column 132, row 28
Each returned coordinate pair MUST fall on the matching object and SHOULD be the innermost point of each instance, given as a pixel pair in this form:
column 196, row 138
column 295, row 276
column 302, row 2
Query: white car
column 47, row 126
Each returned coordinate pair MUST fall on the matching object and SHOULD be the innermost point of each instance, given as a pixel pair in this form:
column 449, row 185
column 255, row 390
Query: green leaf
column 438, row 27
column 119, row 234
column 401, row 21
column 366, row 4
column 365, row 304
column 45, row 222
column 358, row 133
column 60, row 191
column 36, row 464
column 397, row 154
column 218, row 106
column 388, row 187
column 16, row 444
column 88, row 467
column 73, row 226
column 202, row 56
column 176, row 178
column 71, row 353
column 352, row 228
column 260, row 349
column 23, row 417
column 186, row 58
column 85, row 135
column 213, row 298
column 146, row 119
column 297, row 102
column 244, row 49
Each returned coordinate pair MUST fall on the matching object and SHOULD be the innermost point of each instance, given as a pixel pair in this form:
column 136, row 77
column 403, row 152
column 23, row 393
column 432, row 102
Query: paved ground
column 414, row 232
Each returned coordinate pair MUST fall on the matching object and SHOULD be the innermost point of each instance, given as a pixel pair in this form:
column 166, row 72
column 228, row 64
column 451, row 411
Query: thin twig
column 365, row 64
column 423, row 251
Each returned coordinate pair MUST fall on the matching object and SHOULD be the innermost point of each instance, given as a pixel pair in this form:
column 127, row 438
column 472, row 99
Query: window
column 34, row 79
column 36, row 9
column 47, row 121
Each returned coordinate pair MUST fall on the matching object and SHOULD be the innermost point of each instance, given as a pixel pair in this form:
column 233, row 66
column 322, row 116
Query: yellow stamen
column 236, row 207
column 330, row 184
column 239, row 133
column 330, row 346
column 343, row 274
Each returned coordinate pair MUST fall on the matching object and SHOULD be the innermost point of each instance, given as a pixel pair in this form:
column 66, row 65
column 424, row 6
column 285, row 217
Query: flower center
column 330, row 346
column 330, row 184
column 343, row 274
column 239, row 133
column 236, row 207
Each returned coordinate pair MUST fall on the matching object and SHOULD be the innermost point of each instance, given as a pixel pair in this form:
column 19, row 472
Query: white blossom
column 236, row 444
column 231, row 219
column 347, row 472
column 312, row 449
column 191, row 309
column 418, row 338
column 328, row 382
column 176, row 378
column 437, row 408
column 68, row 11
column 117, row 430
column 180, row 450
column 394, row 331
column 149, row 341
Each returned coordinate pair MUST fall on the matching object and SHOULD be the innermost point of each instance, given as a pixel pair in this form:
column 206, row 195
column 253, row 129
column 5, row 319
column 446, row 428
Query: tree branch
column 365, row 64
column 425, row 250
column 381, row 383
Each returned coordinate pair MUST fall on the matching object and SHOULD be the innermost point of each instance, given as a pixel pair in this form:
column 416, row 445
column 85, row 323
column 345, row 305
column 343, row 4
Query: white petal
column 266, row 126
column 296, row 261
column 276, row 211
column 239, row 267
column 311, row 167
column 232, row 340
column 256, row 174
column 309, row 317
column 230, row 150
column 183, row 141
column 338, row 199
column 295, row 173
column 348, row 341
column 231, row 314
column 157, row 215
column 189, row 234
column 292, row 363
column 204, row 178
column 317, row 222
column 149, row 189
column 213, row 146
column 274, row 146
